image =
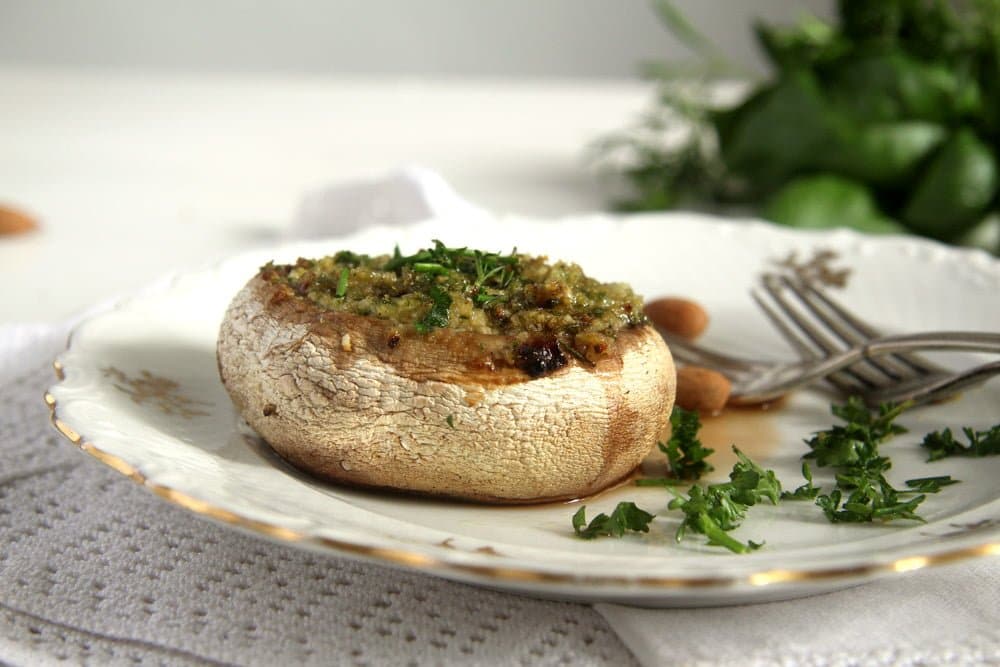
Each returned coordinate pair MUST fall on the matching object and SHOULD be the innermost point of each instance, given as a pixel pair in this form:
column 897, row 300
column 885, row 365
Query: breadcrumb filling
column 554, row 306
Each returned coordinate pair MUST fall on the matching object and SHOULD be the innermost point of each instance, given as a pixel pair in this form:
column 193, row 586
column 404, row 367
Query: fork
column 894, row 377
column 813, row 334
column 933, row 389
column 755, row 381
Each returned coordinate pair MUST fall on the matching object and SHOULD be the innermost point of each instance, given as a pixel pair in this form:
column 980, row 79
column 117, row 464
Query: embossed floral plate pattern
column 139, row 390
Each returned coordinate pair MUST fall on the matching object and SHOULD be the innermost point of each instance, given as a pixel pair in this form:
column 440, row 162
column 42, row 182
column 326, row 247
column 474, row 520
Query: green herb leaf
column 488, row 268
column 843, row 97
column 942, row 444
column 685, row 32
column 351, row 258
column 716, row 509
column 753, row 483
column 450, row 420
column 862, row 493
column 430, row 267
column 625, row 517
column 868, row 503
column 711, row 512
column 805, row 492
column 437, row 316
column 855, row 442
column 931, row 484
column 342, row 282
column 685, row 453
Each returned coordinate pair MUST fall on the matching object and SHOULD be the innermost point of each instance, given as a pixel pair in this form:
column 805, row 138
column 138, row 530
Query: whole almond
column 682, row 317
column 702, row 389
column 14, row 221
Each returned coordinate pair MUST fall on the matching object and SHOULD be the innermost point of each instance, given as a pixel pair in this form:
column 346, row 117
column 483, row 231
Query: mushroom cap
column 370, row 402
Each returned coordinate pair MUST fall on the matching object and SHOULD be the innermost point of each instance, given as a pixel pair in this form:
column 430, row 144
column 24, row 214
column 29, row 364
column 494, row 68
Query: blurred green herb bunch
column 887, row 120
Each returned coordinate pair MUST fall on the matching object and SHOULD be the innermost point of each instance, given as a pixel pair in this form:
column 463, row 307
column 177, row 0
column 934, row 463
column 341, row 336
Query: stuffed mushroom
column 491, row 377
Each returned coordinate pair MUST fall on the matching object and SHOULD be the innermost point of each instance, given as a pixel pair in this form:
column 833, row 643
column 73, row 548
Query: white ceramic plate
column 139, row 390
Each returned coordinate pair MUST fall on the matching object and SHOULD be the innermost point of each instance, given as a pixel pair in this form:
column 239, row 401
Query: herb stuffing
column 552, row 310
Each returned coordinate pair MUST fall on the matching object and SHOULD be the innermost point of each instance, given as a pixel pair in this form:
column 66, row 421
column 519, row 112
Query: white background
column 157, row 135
column 510, row 38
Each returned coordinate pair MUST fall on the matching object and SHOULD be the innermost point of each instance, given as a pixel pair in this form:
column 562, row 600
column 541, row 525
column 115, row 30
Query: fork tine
column 936, row 387
column 869, row 375
column 847, row 327
column 787, row 332
column 845, row 382
column 912, row 361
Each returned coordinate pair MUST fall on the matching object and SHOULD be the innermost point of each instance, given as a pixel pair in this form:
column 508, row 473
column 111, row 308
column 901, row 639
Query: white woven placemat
column 94, row 569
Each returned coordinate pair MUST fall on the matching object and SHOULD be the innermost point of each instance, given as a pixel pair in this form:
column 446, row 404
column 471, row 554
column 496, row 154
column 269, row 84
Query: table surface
column 133, row 174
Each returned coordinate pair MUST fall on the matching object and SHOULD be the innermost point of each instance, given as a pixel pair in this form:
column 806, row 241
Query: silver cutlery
column 755, row 381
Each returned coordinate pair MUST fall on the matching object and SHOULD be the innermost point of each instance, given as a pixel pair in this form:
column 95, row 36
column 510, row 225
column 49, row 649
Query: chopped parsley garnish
column 625, row 517
column 685, row 453
column 806, row 491
column 450, row 420
column 931, row 484
column 489, row 268
column 865, row 497
column 861, row 492
column 942, row 444
column 490, row 272
column 716, row 509
column 711, row 511
column 855, row 443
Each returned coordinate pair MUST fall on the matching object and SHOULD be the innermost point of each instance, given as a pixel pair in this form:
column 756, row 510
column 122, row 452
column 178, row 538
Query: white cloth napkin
column 93, row 569
column 408, row 195
column 947, row 616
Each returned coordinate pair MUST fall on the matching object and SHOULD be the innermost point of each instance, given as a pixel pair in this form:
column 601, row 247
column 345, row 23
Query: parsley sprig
column 806, row 491
column 862, row 493
column 855, row 443
column 942, row 444
column 711, row 511
column 625, row 517
column 686, row 455
column 716, row 509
